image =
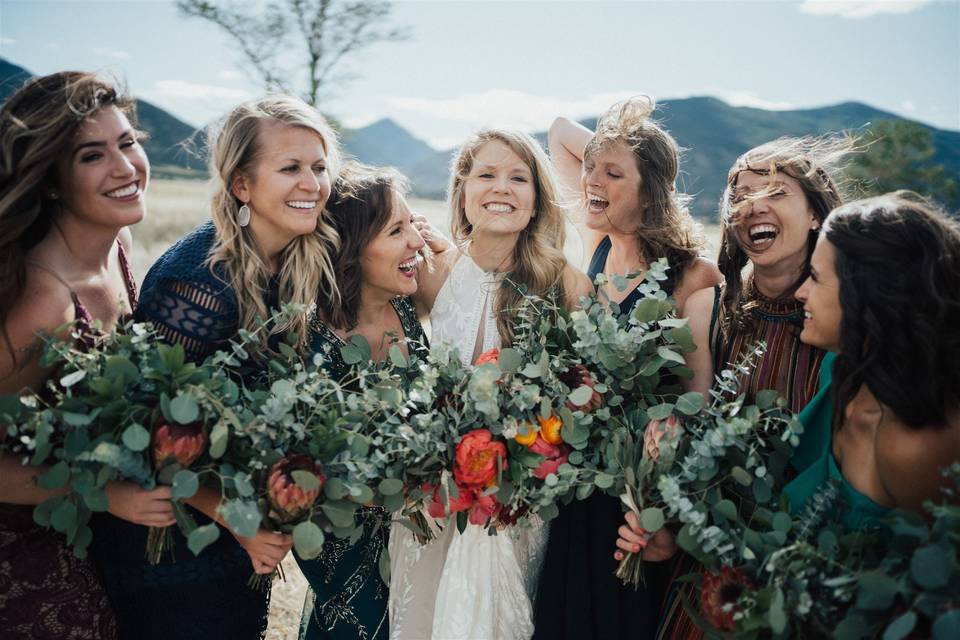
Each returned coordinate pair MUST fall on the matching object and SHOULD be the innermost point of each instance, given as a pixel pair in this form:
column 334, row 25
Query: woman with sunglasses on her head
column 73, row 176
column 376, row 270
column 268, row 242
column 508, row 229
column 776, row 199
column 625, row 174
column 883, row 297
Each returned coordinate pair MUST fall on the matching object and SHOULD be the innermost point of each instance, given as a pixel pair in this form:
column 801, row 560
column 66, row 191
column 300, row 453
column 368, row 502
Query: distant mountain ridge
column 713, row 133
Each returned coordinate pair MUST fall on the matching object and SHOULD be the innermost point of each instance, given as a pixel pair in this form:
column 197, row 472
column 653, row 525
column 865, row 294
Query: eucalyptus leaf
column 308, row 540
column 901, row 627
column 54, row 477
column 581, row 395
column 185, row 484
column 219, row 437
column 390, row 486
column 136, row 437
column 339, row 512
column 930, row 567
column 652, row 519
column 660, row 411
column 184, row 409
column 202, row 537
column 243, row 516
column 690, row 403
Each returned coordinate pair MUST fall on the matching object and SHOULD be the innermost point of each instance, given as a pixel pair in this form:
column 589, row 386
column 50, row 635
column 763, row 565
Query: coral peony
column 719, row 594
column 554, row 455
column 484, row 508
column 476, row 460
column 437, row 509
column 488, row 357
column 575, row 377
column 180, row 443
column 289, row 500
column 656, row 430
column 550, row 429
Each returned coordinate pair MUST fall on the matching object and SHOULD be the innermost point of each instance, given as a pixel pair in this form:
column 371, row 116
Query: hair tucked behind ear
column 538, row 260
column 38, row 124
column 306, row 271
column 898, row 265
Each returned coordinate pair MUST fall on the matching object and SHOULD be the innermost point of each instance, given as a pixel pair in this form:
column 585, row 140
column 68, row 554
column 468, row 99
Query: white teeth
column 597, row 200
column 807, row 315
column 409, row 264
column 762, row 233
column 302, row 204
column 128, row 190
column 498, row 207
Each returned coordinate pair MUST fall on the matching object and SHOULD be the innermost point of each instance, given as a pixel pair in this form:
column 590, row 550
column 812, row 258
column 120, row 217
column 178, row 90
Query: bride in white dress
column 506, row 219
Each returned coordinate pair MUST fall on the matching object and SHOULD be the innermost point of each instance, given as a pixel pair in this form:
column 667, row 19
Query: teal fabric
column 814, row 460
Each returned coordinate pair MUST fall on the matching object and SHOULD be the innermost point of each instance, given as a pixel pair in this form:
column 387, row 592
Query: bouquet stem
column 159, row 542
column 262, row 581
column 630, row 570
column 424, row 534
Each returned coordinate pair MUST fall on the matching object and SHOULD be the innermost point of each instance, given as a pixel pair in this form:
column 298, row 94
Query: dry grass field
column 177, row 206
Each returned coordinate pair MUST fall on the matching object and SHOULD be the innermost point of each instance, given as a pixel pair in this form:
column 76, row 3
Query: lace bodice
column 463, row 311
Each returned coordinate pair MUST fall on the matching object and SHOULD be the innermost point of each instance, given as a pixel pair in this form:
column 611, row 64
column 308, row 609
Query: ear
column 240, row 188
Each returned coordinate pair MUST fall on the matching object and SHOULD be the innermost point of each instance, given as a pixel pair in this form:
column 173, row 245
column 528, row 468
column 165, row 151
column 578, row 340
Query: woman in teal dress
column 884, row 296
column 376, row 272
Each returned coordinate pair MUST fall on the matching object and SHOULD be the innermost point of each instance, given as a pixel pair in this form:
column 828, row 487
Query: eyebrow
column 100, row 143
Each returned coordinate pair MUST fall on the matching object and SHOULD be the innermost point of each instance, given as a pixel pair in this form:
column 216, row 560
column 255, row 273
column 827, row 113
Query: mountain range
column 713, row 133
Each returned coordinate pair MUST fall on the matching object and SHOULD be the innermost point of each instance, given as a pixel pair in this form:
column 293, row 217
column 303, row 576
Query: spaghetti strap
column 713, row 336
column 128, row 280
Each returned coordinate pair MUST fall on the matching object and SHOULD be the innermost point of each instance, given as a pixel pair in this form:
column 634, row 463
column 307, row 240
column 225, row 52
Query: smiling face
column 499, row 194
column 388, row 262
column 772, row 220
column 820, row 295
column 610, row 183
column 103, row 178
column 288, row 185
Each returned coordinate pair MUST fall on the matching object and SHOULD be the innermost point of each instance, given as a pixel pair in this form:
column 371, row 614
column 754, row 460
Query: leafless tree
column 326, row 31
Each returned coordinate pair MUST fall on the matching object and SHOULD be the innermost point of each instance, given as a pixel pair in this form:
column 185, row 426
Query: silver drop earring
column 243, row 215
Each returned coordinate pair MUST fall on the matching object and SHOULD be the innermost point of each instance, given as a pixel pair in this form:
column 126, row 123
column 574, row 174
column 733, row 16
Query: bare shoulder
column 430, row 281
column 910, row 459
column 576, row 284
column 44, row 307
column 126, row 239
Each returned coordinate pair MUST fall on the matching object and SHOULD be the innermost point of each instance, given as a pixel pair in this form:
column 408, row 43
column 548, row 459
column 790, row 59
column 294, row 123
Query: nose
column 416, row 241
column 310, row 182
column 123, row 165
column 801, row 293
column 591, row 177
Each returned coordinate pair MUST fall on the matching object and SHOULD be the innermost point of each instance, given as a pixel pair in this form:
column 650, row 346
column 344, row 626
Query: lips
column 125, row 191
column 304, row 205
column 761, row 236
column 596, row 204
column 409, row 267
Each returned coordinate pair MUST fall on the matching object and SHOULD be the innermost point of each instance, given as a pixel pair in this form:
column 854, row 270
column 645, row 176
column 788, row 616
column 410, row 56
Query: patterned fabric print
column 45, row 590
column 788, row 366
column 463, row 310
column 348, row 597
column 187, row 303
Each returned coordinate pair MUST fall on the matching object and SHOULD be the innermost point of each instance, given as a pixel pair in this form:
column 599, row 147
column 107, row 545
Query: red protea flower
column 289, row 500
column 575, row 377
column 719, row 590
column 180, row 443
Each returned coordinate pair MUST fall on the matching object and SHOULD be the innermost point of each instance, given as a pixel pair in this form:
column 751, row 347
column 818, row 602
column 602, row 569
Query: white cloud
column 116, row 54
column 181, row 90
column 507, row 108
column 908, row 106
column 857, row 9
column 750, row 99
column 229, row 74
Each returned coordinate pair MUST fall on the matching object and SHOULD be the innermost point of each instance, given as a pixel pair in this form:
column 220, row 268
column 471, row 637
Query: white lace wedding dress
column 471, row 585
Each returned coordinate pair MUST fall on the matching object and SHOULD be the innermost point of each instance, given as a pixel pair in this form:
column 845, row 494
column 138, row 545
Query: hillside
column 713, row 133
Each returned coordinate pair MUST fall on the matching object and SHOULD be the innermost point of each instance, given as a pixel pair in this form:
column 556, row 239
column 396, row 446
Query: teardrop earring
column 243, row 215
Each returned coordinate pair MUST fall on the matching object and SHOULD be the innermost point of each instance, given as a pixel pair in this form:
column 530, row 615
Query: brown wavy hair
column 813, row 162
column 665, row 229
column 360, row 205
column 538, row 260
column 898, row 265
column 38, row 124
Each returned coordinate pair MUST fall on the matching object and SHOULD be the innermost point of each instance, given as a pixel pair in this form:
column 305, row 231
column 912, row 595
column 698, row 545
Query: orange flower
column 488, row 357
column 528, row 438
column 550, row 429
column 476, row 459
column 288, row 499
column 180, row 443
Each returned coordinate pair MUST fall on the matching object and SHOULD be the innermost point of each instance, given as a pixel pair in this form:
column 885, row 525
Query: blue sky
column 469, row 64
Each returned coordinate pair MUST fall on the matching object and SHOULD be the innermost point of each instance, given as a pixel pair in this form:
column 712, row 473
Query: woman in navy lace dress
column 268, row 241
column 72, row 177
column 376, row 270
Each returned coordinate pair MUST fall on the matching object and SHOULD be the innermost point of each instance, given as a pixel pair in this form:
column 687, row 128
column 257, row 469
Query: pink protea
column 654, row 433
column 575, row 377
column 719, row 594
column 289, row 501
column 180, row 443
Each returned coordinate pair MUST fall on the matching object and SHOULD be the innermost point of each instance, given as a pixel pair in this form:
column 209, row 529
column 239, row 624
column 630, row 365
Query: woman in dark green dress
column 376, row 272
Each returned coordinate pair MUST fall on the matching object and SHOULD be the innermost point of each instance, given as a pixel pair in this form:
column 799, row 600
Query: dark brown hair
column 898, row 266
column 38, row 123
column 360, row 206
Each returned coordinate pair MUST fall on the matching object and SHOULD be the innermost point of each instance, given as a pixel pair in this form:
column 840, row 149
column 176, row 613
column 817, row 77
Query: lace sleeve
column 191, row 314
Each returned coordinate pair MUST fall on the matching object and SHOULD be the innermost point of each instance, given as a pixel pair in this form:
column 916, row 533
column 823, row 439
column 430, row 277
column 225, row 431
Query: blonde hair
column 306, row 271
column 538, row 260
column 665, row 227
column 811, row 161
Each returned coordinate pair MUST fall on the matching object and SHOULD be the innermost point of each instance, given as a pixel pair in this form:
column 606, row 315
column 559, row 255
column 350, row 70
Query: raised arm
column 567, row 140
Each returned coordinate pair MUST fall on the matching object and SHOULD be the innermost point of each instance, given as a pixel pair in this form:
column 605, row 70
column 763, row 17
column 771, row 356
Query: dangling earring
column 243, row 215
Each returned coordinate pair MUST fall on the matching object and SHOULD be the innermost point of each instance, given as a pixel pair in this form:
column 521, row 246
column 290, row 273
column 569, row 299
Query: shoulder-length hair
column 360, row 206
column 38, row 124
column 538, row 260
column 811, row 162
column 898, row 265
column 306, row 271
column 665, row 228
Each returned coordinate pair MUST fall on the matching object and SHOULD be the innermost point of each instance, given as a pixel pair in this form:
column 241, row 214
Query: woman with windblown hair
column 268, row 242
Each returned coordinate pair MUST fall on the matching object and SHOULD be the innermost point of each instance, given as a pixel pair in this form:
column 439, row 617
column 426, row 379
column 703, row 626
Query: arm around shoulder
column 577, row 285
